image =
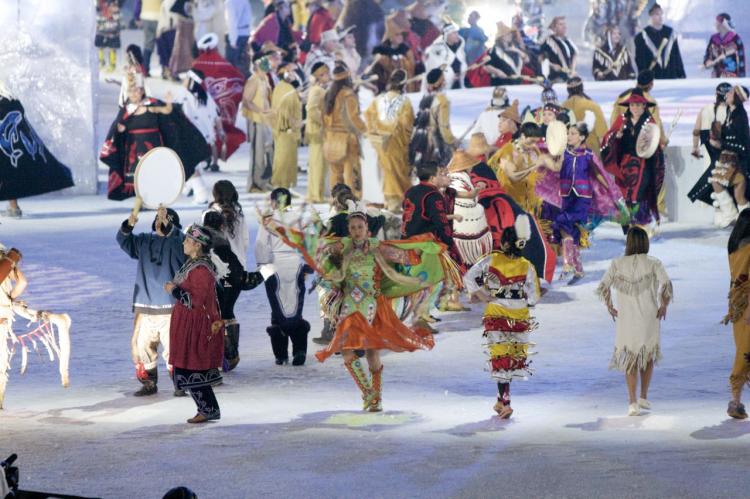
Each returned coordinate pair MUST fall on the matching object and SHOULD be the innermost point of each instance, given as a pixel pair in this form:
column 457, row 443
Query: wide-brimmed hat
column 636, row 97
column 511, row 113
column 503, row 29
column 478, row 145
column 329, row 36
column 461, row 161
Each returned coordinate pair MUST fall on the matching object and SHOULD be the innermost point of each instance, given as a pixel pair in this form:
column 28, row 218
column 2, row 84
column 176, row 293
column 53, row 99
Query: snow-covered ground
column 296, row 431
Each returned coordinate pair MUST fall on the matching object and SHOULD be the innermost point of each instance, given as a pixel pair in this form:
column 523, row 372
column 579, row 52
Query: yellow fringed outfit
column 739, row 267
column 390, row 119
column 512, row 158
column 341, row 133
column 287, row 123
column 316, row 169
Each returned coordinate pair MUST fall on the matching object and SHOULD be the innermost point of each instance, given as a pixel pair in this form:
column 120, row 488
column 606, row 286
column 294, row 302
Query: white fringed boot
column 728, row 209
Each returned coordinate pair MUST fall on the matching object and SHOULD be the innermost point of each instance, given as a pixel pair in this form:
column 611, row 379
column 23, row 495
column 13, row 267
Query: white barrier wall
column 48, row 63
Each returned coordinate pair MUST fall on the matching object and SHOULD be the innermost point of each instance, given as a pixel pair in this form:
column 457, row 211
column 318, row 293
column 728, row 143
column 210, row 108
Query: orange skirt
column 387, row 332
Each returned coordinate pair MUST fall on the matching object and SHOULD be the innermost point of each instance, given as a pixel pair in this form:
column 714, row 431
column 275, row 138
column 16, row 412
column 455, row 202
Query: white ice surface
column 296, row 431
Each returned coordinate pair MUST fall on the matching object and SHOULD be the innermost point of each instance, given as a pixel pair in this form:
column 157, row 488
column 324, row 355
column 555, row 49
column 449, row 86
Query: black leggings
column 227, row 299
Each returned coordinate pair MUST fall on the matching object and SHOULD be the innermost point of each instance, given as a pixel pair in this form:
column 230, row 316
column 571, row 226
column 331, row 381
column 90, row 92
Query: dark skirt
column 199, row 384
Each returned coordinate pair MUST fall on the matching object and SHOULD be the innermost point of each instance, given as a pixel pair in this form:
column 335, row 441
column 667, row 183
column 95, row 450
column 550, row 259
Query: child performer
column 584, row 190
column 509, row 287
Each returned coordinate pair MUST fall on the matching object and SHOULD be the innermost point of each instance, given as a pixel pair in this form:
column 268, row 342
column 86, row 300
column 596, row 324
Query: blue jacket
column 159, row 258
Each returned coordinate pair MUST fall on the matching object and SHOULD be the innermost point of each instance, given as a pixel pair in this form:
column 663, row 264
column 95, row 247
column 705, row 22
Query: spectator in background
column 475, row 38
column 148, row 18
column 239, row 16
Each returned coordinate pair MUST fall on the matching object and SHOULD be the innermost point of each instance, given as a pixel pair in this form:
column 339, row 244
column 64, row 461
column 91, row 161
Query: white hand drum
column 159, row 178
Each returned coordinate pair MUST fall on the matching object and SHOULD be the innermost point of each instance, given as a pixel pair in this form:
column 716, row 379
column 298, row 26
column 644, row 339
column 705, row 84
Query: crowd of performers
column 490, row 216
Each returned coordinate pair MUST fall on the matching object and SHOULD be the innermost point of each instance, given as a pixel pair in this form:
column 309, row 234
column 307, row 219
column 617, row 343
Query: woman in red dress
column 196, row 332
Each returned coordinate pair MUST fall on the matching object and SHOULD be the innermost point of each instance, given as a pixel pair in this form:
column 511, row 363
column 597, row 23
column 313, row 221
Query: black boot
column 297, row 331
column 279, row 344
column 149, row 384
column 326, row 335
column 231, row 346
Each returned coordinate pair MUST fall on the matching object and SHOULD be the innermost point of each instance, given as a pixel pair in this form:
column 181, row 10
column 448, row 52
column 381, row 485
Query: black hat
column 434, row 76
column 645, row 77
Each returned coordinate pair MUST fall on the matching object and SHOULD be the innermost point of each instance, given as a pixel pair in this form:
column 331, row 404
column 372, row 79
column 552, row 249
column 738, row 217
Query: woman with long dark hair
column 343, row 127
column 234, row 229
column 235, row 281
column 644, row 292
column 739, row 268
column 196, row 329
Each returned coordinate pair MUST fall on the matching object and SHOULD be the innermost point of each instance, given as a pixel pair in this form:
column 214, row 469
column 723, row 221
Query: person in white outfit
column 226, row 202
column 285, row 284
column 487, row 122
column 644, row 292
column 200, row 108
column 447, row 51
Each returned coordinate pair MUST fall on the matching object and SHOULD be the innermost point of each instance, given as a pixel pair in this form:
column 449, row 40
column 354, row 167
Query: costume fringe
column 473, row 250
column 451, row 271
column 738, row 300
column 625, row 361
column 584, row 240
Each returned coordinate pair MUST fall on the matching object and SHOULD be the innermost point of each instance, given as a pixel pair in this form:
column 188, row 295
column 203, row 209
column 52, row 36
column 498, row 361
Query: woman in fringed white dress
column 643, row 294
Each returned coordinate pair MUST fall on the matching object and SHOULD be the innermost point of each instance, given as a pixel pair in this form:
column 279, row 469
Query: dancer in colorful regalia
column 509, row 285
column 583, row 194
column 639, row 178
column 365, row 275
